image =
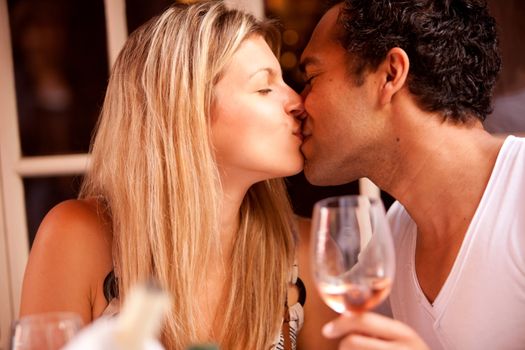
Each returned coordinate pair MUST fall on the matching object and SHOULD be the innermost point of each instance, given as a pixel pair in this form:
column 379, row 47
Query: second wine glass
column 46, row 331
column 352, row 252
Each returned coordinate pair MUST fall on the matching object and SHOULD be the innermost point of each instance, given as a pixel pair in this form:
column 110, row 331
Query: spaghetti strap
column 110, row 287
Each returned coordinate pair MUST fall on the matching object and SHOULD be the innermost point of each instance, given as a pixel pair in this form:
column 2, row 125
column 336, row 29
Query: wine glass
column 45, row 331
column 352, row 252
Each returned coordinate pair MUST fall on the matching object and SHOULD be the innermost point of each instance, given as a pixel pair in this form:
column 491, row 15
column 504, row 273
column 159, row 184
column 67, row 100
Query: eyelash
column 308, row 81
column 264, row 91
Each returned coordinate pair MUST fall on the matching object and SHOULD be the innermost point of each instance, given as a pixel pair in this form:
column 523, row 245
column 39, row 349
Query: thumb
column 340, row 326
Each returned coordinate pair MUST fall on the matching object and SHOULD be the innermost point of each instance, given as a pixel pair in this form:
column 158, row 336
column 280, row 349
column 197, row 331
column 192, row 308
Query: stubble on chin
column 328, row 174
column 316, row 173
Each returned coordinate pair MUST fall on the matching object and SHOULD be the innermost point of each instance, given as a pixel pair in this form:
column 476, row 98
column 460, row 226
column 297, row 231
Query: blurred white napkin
column 136, row 327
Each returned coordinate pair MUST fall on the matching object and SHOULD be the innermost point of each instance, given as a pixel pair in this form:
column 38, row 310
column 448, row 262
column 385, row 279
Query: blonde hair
column 153, row 167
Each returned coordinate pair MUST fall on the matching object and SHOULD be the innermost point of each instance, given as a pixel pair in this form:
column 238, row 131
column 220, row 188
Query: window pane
column 139, row 11
column 42, row 194
column 60, row 59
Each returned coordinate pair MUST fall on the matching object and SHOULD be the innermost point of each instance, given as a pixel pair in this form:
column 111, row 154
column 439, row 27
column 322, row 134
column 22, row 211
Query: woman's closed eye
column 265, row 91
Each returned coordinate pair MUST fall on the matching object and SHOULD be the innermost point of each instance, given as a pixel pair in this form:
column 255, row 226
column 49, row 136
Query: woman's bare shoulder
column 70, row 256
column 75, row 225
column 83, row 214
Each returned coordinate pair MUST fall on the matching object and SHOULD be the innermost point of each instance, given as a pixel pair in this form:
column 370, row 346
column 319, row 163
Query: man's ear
column 394, row 71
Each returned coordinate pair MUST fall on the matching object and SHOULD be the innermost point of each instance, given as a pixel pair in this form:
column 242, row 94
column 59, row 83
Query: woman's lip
column 299, row 134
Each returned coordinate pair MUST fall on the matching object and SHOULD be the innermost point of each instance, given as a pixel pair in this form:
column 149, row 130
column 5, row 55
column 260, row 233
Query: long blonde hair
column 154, row 169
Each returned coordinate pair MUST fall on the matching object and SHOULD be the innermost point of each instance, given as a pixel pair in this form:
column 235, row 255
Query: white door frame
column 12, row 208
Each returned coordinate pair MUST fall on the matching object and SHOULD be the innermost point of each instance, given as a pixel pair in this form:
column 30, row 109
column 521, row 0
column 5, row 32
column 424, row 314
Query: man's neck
column 440, row 175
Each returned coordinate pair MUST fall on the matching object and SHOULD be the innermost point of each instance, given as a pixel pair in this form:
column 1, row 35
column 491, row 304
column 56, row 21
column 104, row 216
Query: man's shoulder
column 510, row 163
column 399, row 220
column 516, row 141
column 397, row 213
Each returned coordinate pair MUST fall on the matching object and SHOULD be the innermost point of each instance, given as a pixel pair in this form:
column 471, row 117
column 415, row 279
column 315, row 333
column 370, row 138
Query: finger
column 367, row 323
column 361, row 342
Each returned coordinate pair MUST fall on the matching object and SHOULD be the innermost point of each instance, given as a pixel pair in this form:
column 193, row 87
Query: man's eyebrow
column 310, row 60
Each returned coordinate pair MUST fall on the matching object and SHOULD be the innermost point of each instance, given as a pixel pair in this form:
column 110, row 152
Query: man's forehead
column 324, row 36
column 309, row 60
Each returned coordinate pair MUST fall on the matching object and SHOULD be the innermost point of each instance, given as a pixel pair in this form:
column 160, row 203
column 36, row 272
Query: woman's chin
column 295, row 168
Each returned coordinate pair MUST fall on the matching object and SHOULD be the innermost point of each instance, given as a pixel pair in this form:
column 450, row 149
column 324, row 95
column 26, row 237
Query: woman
column 196, row 128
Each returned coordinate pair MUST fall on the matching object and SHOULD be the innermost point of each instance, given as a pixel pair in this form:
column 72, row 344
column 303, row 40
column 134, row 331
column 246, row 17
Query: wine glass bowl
column 45, row 331
column 352, row 252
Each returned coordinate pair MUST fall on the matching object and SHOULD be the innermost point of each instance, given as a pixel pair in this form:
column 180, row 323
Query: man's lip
column 303, row 144
column 306, row 134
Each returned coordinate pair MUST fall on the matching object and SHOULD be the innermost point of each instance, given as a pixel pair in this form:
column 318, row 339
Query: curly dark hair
column 452, row 46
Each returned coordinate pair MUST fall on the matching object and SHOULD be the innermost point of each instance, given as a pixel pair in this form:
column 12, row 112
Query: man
column 397, row 92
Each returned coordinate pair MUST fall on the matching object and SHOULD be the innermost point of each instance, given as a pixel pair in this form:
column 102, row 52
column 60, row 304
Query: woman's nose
column 295, row 105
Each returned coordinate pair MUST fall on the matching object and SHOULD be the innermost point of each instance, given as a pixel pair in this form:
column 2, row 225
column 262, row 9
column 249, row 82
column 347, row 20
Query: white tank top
column 482, row 303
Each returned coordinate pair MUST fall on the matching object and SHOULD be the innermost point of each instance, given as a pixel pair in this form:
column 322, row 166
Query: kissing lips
column 299, row 134
column 304, row 146
column 306, row 135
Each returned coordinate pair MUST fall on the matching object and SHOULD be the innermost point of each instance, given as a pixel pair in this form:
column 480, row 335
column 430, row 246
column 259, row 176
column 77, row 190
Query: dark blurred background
column 61, row 70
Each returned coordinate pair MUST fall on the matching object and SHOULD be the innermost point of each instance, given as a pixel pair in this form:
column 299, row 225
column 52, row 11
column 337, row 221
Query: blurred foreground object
column 135, row 328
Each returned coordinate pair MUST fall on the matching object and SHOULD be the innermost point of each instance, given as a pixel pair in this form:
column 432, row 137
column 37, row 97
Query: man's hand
column 369, row 331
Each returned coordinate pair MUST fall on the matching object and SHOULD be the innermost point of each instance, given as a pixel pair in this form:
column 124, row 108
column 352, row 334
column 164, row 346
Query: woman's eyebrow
column 268, row 70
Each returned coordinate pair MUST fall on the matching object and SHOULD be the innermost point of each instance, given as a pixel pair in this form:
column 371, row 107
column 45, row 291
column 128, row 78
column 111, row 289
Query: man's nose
column 305, row 92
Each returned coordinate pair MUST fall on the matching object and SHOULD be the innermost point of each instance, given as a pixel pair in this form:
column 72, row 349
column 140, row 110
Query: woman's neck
column 233, row 193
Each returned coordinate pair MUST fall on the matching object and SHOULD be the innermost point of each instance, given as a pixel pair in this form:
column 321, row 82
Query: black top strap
column 302, row 291
column 110, row 286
